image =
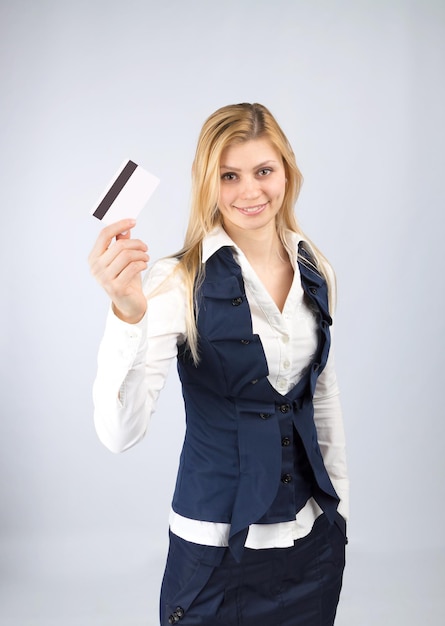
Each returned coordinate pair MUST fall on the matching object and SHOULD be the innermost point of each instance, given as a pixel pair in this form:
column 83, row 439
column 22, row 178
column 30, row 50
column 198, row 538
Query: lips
column 251, row 210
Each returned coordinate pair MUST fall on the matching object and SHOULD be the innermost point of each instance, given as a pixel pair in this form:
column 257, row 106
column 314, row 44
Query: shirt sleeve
column 330, row 431
column 134, row 360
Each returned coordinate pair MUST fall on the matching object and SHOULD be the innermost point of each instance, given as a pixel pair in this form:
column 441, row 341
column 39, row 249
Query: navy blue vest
column 250, row 454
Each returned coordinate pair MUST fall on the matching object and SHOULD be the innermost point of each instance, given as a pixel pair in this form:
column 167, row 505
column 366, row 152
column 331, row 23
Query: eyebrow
column 236, row 169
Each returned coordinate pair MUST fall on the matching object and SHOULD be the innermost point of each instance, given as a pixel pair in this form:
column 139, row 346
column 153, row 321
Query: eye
column 265, row 171
column 228, row 176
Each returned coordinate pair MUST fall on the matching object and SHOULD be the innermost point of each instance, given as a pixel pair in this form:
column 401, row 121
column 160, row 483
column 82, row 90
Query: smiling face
column 252, row 186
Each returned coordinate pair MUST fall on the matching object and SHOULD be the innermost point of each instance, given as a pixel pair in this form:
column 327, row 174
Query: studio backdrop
column 358, row 88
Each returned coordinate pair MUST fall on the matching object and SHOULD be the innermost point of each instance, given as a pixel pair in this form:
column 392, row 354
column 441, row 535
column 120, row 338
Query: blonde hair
column 230, row 125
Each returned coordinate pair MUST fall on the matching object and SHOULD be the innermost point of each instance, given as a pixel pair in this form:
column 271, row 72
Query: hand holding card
column 116, row 262
column 127, row 194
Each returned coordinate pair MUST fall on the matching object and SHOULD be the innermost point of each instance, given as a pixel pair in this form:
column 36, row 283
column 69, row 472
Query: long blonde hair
column 229, row 125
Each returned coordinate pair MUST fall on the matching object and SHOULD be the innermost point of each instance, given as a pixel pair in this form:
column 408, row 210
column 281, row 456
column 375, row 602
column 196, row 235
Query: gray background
column 358, row 87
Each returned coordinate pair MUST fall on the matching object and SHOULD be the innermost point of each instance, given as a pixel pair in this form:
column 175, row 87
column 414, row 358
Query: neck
column 261, row 247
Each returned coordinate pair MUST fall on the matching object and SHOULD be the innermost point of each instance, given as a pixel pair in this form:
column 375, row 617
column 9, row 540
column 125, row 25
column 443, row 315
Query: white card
column 127, row 194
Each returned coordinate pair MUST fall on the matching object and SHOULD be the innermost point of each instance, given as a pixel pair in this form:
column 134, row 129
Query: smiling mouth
column 251, row 210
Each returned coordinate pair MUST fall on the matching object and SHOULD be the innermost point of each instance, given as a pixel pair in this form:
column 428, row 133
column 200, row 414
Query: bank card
column 126, row 195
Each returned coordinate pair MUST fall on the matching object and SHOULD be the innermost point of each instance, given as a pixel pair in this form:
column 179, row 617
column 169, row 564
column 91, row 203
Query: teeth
column 252, row 209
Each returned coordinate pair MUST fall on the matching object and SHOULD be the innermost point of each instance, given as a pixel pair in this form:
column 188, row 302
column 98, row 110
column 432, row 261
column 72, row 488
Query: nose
column 250, row 188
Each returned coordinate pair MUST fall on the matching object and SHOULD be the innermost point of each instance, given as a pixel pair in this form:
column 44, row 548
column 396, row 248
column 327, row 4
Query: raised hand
column 117, row 267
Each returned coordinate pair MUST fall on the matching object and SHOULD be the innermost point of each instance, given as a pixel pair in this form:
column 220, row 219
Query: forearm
column 134, row 360
column 121, row 413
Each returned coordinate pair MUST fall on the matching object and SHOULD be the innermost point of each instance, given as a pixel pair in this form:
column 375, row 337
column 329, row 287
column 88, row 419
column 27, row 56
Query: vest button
column 285, row 442
column 264, row 416
column 285, row 408
column 177, row 614
column 245, row 342
column 237, row 301
column 286, row 479
column 254, row 381
column 313, row 290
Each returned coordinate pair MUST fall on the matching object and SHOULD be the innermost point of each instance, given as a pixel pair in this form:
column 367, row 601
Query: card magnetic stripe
column 115, row 190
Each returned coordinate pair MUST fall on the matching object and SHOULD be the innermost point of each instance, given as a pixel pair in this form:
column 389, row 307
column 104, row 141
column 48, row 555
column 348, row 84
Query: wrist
column 128, row 318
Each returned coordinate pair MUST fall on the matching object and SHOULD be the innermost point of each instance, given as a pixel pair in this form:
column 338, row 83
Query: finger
column 128, row 274
column 118, row 264
column 120, row 247
column 117, row 255
column 107, row 234
column 123, row 286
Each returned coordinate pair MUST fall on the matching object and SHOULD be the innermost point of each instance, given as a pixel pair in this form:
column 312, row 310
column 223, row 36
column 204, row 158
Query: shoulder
column 315, row 259
column 331, row 280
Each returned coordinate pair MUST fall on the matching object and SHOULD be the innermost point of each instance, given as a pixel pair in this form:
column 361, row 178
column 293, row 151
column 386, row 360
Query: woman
column 257, row 526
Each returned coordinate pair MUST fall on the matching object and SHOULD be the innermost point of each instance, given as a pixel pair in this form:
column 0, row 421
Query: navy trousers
column 296, row 586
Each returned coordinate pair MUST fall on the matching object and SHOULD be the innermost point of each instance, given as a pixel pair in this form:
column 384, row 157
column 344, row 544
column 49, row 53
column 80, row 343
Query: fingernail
column 125, row 232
